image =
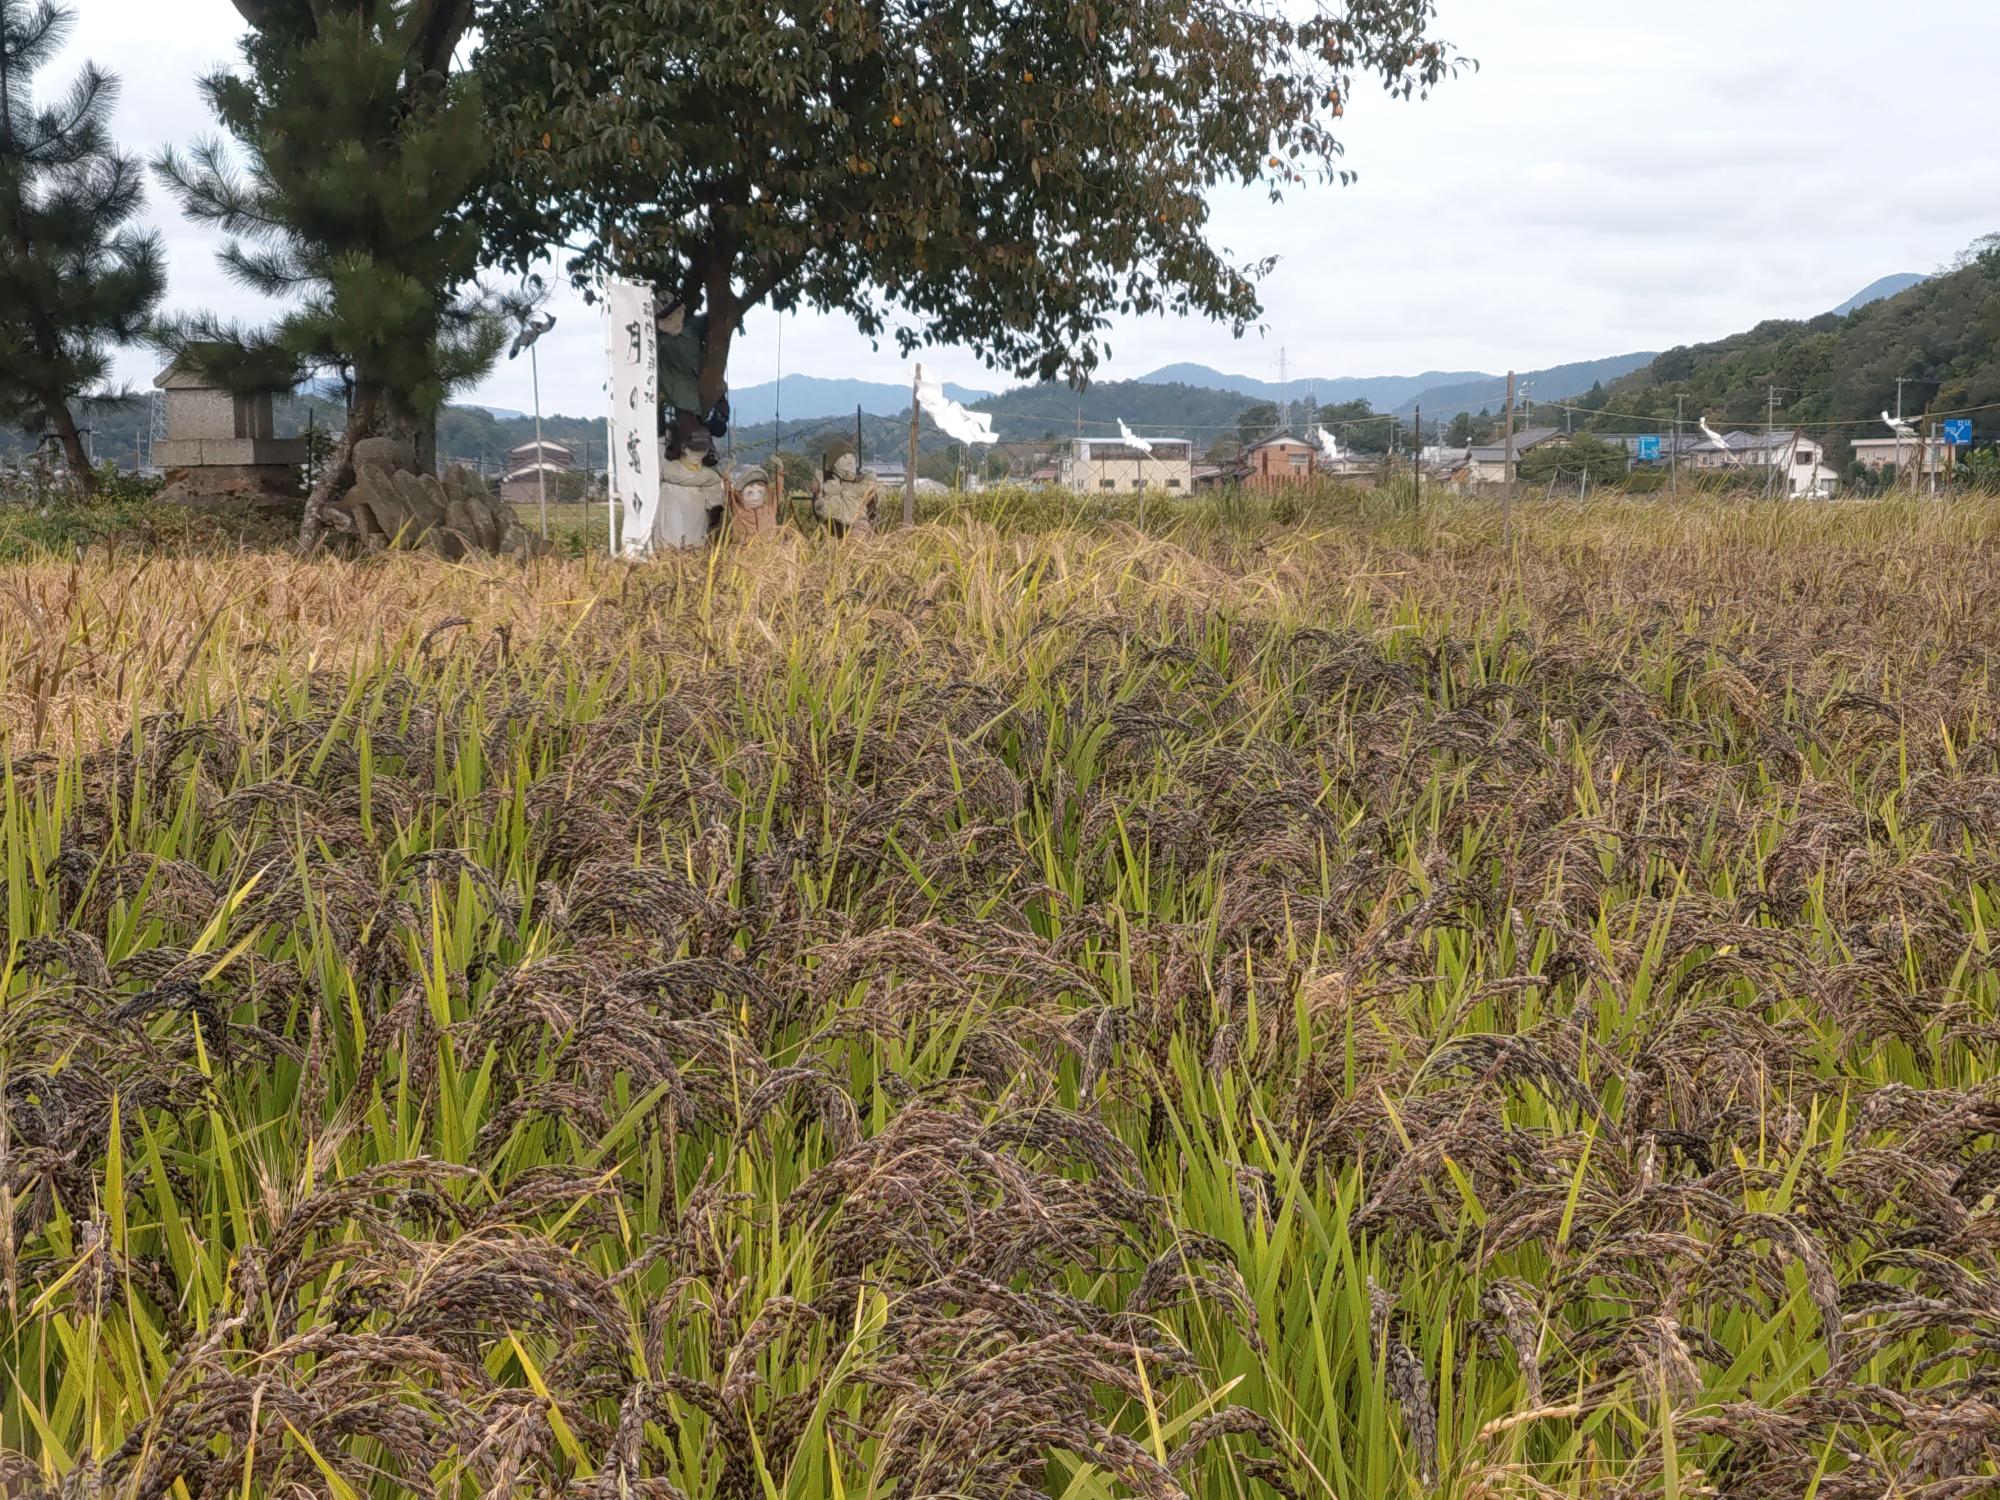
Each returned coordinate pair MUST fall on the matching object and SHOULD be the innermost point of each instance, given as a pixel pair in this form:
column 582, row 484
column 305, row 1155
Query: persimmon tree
column 1000, row 173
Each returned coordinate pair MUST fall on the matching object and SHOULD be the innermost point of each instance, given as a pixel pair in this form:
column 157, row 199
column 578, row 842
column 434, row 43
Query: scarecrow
column 692, row 495
column 753, row 509
column 846, row 499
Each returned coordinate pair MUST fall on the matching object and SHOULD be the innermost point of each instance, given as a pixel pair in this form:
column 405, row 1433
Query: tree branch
column 436, row 28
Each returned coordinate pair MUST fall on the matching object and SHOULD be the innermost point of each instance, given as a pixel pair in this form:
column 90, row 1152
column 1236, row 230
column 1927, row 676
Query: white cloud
column 1614, row 176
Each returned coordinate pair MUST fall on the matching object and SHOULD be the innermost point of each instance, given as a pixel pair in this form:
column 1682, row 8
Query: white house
column 1906, row 453
column 1488, row 461
column 1800, row 458
column 1114, row 466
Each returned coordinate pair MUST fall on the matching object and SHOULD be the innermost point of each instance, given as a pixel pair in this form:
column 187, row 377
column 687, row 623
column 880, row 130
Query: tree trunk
column 395, row 419
column 722, row 323
column 72, row 442
column 375, row 413
column 712, row 384
column 336, row 477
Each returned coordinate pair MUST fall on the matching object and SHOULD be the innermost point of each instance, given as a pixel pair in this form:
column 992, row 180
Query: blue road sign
column 1649, row 449
column 1958, row 432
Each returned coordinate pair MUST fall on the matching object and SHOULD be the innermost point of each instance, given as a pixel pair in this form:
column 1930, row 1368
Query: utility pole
column 532, row 329
column 1079, row 456
column 1417, row 459
column 1770, row 426
column 910, row 470
column 1674, row 458
column 1901, row 381
column 541, row 453
column 857, row 434
column 1507, row 471
column 1142, row 489
column 156, row 429
column 1284, row 393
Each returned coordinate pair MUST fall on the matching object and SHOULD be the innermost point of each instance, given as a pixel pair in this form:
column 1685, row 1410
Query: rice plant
column 1022, row 1007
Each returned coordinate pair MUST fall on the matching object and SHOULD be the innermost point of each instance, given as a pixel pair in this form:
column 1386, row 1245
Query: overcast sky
column 1616, row 176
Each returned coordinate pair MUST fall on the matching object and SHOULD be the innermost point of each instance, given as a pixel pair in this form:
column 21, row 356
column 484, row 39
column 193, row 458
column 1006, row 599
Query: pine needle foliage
column 352, row 143
column 75, row 280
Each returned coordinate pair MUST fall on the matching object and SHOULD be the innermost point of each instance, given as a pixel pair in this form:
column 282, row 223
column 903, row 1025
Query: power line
column 1828, row 425
column 807, row 425
column 1169, row 428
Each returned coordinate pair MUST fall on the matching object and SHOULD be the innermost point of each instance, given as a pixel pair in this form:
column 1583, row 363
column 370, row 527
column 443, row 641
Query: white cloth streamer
column 1132, row 439
column 953, row 420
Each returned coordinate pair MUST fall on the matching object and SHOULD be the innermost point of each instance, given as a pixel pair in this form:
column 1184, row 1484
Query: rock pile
column 392, row 505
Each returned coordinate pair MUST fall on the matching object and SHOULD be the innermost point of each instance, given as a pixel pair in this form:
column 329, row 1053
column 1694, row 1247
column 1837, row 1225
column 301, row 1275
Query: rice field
column 1333, row 1006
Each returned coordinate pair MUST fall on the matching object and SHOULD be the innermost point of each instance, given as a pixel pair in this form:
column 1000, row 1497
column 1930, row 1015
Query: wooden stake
column 1507, row 480
column 1417, row 461
column 1674, row 458
column 910, row 470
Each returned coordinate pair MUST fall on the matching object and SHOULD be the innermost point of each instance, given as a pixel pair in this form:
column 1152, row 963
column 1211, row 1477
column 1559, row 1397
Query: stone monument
column 221, row 445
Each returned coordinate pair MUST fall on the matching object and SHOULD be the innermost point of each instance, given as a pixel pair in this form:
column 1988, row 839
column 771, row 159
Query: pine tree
column 359, row 145
column 73, row 283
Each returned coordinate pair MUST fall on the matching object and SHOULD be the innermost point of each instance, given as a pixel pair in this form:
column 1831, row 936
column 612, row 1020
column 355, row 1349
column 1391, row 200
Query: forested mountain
column 1942, row 336
column 1875, row 291
column 1382, row 392
column 1489, row 392
column 809, row 396
column 1441, row 393
column 1033, row 411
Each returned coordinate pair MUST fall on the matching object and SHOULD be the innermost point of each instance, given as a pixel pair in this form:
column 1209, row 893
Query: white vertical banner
column 635, row 412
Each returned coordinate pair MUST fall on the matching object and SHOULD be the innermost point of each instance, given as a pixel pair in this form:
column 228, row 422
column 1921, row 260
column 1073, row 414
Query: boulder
column 470, row 507
column 469, row 527
column 422, row 495
column 448, row 542
column 392, row 454
column 373, row 505
column 455, row 516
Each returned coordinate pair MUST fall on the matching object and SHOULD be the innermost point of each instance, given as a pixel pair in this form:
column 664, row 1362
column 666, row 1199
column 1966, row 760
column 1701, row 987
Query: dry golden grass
column 89, row 643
